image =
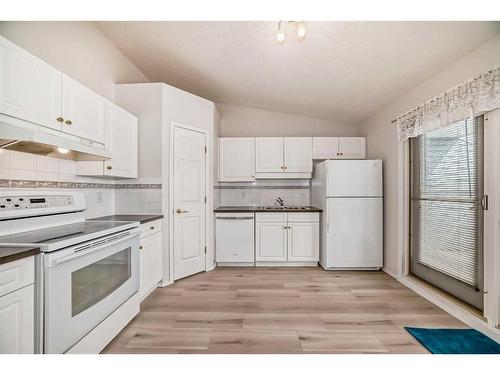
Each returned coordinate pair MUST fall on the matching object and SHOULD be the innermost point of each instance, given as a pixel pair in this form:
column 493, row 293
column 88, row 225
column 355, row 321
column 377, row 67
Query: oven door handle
column 81, row 253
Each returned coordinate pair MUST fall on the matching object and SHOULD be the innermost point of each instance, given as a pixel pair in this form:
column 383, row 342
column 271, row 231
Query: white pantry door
column 189, row 202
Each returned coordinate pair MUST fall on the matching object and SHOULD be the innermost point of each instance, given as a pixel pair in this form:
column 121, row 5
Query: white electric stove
column 87, row 274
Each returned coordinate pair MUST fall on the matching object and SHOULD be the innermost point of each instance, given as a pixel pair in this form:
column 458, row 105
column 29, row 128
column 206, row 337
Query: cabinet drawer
column 17, row 274
column 148, row 229
column 306, row 217
column 271, row 217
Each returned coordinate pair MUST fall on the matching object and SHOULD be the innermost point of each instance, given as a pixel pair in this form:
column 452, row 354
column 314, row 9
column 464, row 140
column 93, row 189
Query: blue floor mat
column 454, row 341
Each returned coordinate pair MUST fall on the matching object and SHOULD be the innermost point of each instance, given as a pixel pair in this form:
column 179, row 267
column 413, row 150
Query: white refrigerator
column 350, row 193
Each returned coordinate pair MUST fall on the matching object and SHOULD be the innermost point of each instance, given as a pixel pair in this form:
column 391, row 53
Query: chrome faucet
column 280, row 201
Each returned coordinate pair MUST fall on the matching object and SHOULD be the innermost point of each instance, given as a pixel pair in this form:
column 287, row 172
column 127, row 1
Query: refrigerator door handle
column 328, row 214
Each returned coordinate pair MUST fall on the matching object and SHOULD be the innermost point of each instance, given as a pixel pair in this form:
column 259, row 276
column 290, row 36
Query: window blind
column 445, row 197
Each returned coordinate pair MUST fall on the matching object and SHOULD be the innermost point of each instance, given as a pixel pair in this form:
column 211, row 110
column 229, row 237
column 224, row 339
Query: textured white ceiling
column 342, row 71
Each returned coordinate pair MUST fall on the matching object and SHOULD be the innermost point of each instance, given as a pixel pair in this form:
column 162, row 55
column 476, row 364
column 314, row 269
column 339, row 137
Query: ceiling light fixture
column 62, row 150
column 300, row 29
column 280, row 37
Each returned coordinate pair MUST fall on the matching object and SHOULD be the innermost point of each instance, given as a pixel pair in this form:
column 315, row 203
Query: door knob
column 109, row 167
column 179, row 211
column 68, row 122
column 60, row 119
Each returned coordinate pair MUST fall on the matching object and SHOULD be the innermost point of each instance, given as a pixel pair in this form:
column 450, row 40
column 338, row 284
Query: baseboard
column 390, row 273
column 97, row 339
column 164, row 283
column 235, row 264
column 286, row 264
column 451, row 308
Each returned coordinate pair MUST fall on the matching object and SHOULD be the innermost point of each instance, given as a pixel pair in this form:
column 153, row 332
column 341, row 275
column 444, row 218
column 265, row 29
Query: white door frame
column 173, row 125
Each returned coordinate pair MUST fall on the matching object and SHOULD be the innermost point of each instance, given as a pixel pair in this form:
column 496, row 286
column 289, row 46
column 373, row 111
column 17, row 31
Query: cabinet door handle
column 152, row 228
column 60, row 119
column 109, row 167
column 140, row 247
column 68, row 122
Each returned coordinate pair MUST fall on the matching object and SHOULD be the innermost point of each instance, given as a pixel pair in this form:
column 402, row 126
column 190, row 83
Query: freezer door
column 354, row 178
column 354, row 233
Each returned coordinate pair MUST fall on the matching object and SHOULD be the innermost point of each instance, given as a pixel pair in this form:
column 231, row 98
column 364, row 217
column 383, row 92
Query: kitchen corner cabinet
column 236, row 159
column 17, row 310
column 283, row 155
column 287, row 237
column 151, row 258
column 339, row 148
column 121, row 142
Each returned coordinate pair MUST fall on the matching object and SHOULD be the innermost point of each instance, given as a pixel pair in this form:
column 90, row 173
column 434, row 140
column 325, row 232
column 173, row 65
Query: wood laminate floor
column 280, row 310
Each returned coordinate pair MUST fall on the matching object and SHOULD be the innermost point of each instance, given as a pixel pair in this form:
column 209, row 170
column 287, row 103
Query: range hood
column 18, row 135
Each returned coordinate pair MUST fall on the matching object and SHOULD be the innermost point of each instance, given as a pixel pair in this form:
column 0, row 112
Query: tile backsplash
column 262, row 193
column 104, row 196
column 141, row 195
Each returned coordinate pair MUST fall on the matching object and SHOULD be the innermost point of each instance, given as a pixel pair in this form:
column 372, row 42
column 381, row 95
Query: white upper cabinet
column 339, row 148
column 83, row 111
column 121, row 139
column 121, row 142
column 236, row 159
column 352, row 148
column 30, row 89
column 325, row 147
column 283, row 155
column 298, row 154
column 269, row 155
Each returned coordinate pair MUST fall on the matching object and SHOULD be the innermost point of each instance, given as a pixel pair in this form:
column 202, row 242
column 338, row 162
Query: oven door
column 84, row 284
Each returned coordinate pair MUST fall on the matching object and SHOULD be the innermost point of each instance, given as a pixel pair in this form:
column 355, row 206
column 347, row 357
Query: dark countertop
column 230, row 209
column 11, row 253
column 140, row 218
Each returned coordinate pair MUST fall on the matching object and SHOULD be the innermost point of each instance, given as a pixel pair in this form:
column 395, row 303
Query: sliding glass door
column 446, row 220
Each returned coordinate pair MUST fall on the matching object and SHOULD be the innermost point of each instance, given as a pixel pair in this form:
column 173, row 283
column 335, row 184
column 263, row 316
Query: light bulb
column 301, row 30
column 280, row 37
column 62, row 150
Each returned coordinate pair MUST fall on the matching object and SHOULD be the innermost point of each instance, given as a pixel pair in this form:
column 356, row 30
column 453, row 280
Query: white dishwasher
column 234, row 239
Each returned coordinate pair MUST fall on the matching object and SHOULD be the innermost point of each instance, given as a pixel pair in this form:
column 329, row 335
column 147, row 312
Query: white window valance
column 466, row 100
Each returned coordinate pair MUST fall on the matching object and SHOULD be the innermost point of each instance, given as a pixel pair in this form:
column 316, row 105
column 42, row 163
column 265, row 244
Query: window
column 446, row 209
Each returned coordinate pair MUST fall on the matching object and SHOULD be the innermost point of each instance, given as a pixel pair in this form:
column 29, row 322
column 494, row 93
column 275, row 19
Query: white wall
column 237, row 121
column 78, row 49
column 382, row 138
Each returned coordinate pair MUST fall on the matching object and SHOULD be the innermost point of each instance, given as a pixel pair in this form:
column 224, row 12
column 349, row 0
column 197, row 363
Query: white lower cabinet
column 287, row 238
column 271, row 242
column 151, row 258
column 303, row 242
column 17, row 321
column 17, row 310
